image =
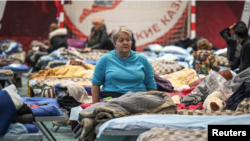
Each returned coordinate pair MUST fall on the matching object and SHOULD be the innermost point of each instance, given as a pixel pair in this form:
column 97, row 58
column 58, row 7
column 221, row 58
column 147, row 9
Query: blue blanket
column 40, row 100
column 46, row 111
column 14, row 47
column 91, row 62
column 7, row 112
column 16, row 129
column 22, row 68
column 31, row 128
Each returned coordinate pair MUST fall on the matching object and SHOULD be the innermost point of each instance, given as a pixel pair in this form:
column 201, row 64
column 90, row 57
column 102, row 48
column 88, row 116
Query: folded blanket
column 5, row 61
column 40, row 100
column 126, row 105
column 47, row 111
column 19, row 56
column 31, row 128
column 75, row 90
column 7, row 112
column 16, row 129
column 163, row 84
column 7, row 72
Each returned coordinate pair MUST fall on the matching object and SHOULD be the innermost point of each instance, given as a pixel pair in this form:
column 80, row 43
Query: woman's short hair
column 204, row 44
column 118, row 30
column 98, row 20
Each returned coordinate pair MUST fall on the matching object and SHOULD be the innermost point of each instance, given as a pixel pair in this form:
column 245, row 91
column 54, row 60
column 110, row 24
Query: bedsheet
column 171, row 121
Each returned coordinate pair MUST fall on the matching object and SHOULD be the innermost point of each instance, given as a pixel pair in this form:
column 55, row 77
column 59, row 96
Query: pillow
column 168, row 57
column 155, row 47
column 174, row 50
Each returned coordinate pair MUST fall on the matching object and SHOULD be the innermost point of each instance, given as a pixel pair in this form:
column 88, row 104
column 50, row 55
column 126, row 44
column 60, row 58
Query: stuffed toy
column 213, row 102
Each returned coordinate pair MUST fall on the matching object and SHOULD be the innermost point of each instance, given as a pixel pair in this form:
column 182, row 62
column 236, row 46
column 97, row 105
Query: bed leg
column 42, row 130
column 55, row 129
column 48, row 131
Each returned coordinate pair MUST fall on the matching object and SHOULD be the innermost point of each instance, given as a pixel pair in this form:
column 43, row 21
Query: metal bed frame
column 41, row 119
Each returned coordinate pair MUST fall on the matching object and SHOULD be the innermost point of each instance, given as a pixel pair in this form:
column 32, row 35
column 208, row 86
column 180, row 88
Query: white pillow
column 175, row 50
column 17, row 100
column 155, row 47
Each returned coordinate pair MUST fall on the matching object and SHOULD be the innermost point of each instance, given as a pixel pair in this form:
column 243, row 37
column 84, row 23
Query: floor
column 64, row 133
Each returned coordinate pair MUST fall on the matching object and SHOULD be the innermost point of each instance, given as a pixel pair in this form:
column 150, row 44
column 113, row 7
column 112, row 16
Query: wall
column 25, row 21
column 213, row 16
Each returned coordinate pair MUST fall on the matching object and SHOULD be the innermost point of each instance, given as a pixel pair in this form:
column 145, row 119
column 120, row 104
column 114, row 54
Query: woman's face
column 97, row 26
column 123, row 43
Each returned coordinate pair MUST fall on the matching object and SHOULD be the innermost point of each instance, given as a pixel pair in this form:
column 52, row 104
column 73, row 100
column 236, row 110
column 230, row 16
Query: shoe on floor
column 62, row 123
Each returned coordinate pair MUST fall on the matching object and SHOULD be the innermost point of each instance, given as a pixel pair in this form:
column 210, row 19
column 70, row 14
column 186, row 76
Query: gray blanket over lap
column 129, row 104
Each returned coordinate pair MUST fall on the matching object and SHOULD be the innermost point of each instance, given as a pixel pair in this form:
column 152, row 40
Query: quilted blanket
column 167, row 134
column 7, row 72
column 81, row 54
column 161, row 67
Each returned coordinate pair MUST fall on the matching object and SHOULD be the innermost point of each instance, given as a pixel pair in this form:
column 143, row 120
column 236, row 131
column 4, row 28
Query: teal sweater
column 134, row 73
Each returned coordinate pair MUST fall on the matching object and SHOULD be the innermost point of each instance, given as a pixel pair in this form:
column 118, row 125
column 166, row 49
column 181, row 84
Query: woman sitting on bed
column 122, row 70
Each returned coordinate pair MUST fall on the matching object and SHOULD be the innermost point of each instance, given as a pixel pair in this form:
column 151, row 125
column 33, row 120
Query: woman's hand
column 87, row 49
